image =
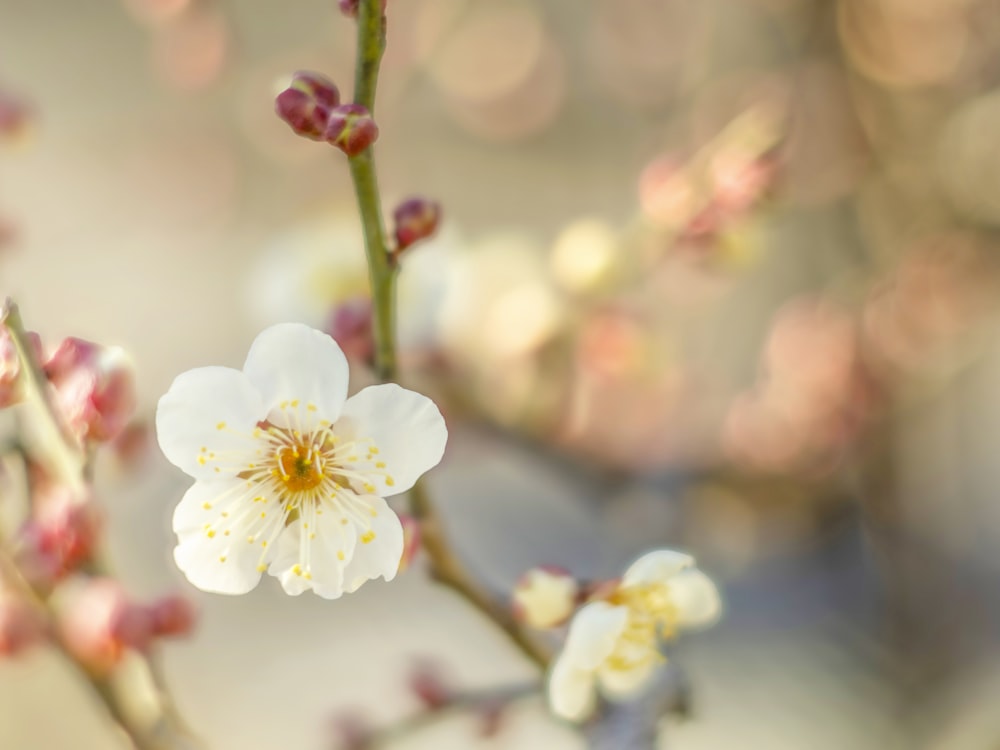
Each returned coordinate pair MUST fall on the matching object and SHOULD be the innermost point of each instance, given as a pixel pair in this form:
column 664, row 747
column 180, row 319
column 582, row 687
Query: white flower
column 614, row 644
column 545, row 597
column 290, row 473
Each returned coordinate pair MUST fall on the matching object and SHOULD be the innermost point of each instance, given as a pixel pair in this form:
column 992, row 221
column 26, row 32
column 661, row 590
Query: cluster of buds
column 99, row 623
column 92, row 386
column 814, row 396
column 310, row 104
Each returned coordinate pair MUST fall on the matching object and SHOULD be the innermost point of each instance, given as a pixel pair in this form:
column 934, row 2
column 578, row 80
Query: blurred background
column 713, row 274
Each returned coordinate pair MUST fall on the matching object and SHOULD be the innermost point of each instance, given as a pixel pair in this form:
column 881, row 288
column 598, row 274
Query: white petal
column 656, row 567
column 626, row 683
column 593, row 633
column 292, row 362
column 380, row 544
column 571, row 690
column 406, row 427
column 210, row 408
column 313, row 552
column 696, row 599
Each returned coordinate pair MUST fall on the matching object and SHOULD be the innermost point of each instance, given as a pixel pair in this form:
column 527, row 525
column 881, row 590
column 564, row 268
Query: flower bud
column 416, row 219
column 21, row 625
column 15, row 116
column 61, row 535
column 350, row 325
column 545, row 597
column 411, row 540
column 172, row 616
column 94, row 388
column 10, row 366
column 428, row 685
column 350, row 7
column 100, row 623
column 351, row 129
column 306, row 103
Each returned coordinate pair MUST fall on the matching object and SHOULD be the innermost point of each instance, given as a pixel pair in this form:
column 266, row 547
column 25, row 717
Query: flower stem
column 382, row 270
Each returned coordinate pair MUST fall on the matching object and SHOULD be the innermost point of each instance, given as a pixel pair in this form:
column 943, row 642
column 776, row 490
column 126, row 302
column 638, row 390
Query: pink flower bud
column 21, row 625
column 416, row 219
column 350, row 7
column 10, row 366
column 94, row 388
column 15, row 116
column 172, row 616
column 62, row 534
column 350, row 325
column 306, row 103
column 100, row 623
column 351, row 129
column 428, row 685
column 545, row 597
column 411, row 540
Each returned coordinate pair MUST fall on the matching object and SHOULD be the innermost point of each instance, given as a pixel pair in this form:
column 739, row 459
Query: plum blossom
column 291, row 475
column 615, row 643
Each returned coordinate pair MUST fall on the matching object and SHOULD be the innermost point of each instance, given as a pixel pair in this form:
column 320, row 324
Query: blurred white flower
column 615, row 644
column 545, row 597
column 290, row 473
column 312, row 268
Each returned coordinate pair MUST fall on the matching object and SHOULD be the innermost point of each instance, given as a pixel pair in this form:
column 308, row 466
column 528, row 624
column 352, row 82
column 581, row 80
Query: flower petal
column 214, row 550
column 407, row 429
column 696, row 599
column 571, row 690
column 626, row 683
column 313, row 552
column 205, row 422
column 593, row 634
column 380, row 547
column 301, row 367
column 656, row 567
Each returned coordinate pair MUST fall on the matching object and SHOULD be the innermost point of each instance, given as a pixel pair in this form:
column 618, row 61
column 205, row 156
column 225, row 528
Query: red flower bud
column 350, row 325
column 350, row 7
column 428, row 685
column 306, row 103
column 15, row 116
column 416, row 219
column 95, row 388
column 351, row 129
column 172, row 616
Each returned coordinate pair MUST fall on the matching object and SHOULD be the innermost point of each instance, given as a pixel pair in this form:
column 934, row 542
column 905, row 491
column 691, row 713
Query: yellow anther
column 309, row 576
column 352, row 458
column 343, row 522
column 225, row 514
column 222, row 559
column 251, row 466
column 373, row 449
column 390, row 481
column 217, row 469
column 380, row 464
column 201, row 460
column 210, row 533
column 367, row 537
column 226, row 532
column 312, row 534
column 263, row 514
column 340, row 554
column 220, row 426
column 250, row 540
column 203, row 449
column 263, row 543
column 261, row 568
column 324, row 422
column 372, row 512
column 295, row 404
column 259, row 499
column 297, row 569
column 311, row 407
column 206, row 506
column 211, row 455
column 283, row 405
column 369, row 488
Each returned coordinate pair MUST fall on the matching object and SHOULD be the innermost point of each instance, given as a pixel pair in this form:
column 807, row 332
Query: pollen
column 367, row 537
column 220, row 426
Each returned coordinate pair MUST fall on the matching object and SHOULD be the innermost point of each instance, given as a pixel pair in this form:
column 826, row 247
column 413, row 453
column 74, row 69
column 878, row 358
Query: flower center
column 299, row 467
